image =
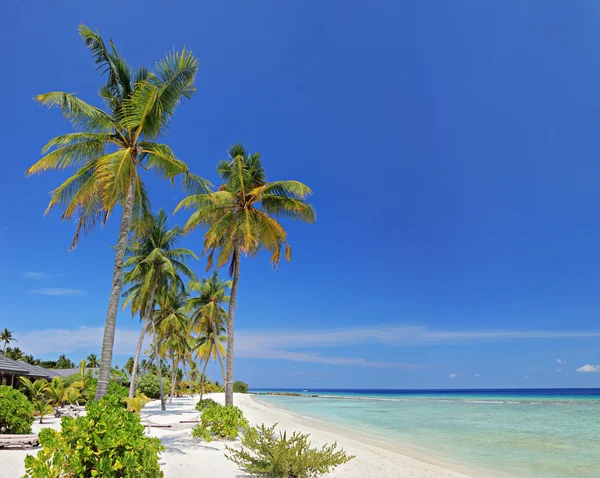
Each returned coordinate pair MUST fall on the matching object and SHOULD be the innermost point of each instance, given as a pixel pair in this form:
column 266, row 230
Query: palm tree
column 6, row 336
column 110, row 147
column 14, row 353
column 92, row 361
column 174, row 332
column 153, row 263
column 210, row 345
column 64, row 362
column 240, row 217
column 55, row 391
column 209, row 316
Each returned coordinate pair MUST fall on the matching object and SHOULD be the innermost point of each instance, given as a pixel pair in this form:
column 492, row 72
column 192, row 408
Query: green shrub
column 220, row 422
column 16, row 412
column 240, row 387
column 264, row 454
column 118, row 391
column 109, row 442
column 149, row 386
column 205, row 403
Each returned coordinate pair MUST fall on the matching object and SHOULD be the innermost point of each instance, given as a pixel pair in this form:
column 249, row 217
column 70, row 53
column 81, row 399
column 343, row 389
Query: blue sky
column 452, row 150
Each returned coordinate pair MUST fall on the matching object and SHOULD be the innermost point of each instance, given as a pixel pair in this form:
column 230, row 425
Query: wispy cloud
column 308, row 346
column 35, row 275
column 559, row 370
column 562, row 362
column 452, row 375
column 589, row 368
column 525, row 377
column 476, row 375
column 59, row 291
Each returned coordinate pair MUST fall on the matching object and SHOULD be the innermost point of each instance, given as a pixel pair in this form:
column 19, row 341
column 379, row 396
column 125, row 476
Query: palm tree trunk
column 173, row 380
column 158, row 367
column 136, row 359
column 203, row 378
column 221, row 362
column 115, row 294
column 230, row 327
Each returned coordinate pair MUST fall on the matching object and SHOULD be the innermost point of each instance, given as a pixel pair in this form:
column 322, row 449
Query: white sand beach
column 188, row 457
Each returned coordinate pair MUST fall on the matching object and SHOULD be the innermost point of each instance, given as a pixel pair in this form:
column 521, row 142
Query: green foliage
column 136, row 403
column 206, row 403
column 119, row 376
column 33, row 390
column 265, row 454
column 117, row 390
column 220, row 422
column 42, row 408
column 149, row 386
column 107, row 442
column 16, row 412
column 240, row 387
column 55, row 391
column 210, row 387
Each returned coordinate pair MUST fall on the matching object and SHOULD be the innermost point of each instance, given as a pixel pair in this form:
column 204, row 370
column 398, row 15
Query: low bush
column 149, row 386
column 240, row 387
column 220, row 422
column 265, row 454
column 118, row 391
column 205, row 403
column 108, row 442
column 16, row 412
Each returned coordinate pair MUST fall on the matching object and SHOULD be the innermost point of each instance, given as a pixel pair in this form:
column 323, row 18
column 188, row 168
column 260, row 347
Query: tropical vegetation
column 6, row 337
column 16, row 411
column 117, row 448
column 110, row 147
column 222, row 422
column 267, row 453
column 241, row 218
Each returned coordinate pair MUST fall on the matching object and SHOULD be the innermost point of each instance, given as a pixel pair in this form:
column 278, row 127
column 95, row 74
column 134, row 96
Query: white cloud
column 561, row 362
column 589, row 368
column 525, row 377
column 452, row 375
column 476, row 375
column 59, row 291
column 90, row 339
column 35, row 275
column 559, row 370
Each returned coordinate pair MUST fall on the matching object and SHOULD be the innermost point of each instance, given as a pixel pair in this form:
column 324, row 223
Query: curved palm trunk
column 173, row 380
column 115, row 294
column 158, row 367
column 203, row 379
column 136, row 359
column 230, row 328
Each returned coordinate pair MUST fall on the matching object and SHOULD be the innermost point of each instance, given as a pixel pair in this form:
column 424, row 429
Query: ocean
column 523, row 433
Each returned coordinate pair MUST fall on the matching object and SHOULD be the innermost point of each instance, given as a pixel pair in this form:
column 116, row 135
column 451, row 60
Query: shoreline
column 367, row 437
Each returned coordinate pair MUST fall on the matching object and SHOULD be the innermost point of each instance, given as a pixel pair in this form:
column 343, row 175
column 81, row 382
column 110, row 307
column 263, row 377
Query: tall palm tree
column 241, row 219
column 109, row 147
column 92, row 361
column 174, row 332
column 6, row 336
column 154, row 262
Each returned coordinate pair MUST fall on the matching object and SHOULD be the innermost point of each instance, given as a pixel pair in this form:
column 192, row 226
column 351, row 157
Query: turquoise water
column 519, row 433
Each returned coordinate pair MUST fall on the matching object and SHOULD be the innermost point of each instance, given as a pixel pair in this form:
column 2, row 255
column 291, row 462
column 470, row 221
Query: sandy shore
column 186, row 457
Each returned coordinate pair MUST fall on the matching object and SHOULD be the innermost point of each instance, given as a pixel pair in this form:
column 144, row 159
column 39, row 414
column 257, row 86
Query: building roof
column 18, row 367
column 36, row 371
column 65, row 372
column 11, row 366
